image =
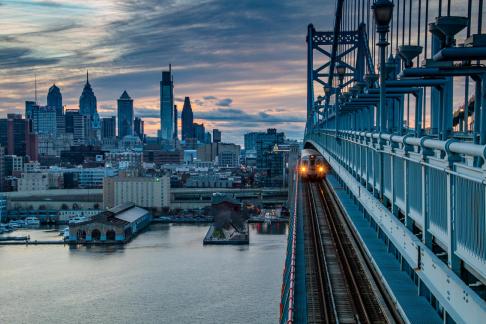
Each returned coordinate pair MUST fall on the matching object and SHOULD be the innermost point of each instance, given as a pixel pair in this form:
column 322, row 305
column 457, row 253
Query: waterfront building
column 87, row 101
column 125, row 115
column 149, row 192
column 16, row 137
column 108, row 128
column 118, row 224
column 187, row 119
column 44, row 120
column 167, row 105
column 199, row 132
column 138, row 128
column 216, row 135
column 83, row 178
column 54, row 99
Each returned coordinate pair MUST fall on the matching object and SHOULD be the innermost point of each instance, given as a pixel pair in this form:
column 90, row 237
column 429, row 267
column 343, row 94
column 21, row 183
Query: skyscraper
column 125, row 115
column 108, row 127
column 175, row 122
column 167, row 105
column 44, row 120
column 54, row 99
column 216, row 135
column 187, row 120
column 199, row 131
column 138, row 128
column 87, row 101
column 16, row 137
column 29, row 106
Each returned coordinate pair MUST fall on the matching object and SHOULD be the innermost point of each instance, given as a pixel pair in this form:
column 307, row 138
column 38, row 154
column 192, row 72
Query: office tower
column 187, row 120
column 176, row 133
column 216, row 135
column 54, row 99
column 199, row 132
column 207, row 138
column 138, row 128
column 29, row 106
column 44, row 120
column 167, row 105
column 250, row 140
column 264, row 145
column 78, row 125
column 87, row 101
column 125, row 115
column 108, row 127
column 16, row 137
column 2, row 174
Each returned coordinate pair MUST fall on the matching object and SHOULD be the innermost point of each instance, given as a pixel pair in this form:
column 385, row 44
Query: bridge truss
column 403, row 125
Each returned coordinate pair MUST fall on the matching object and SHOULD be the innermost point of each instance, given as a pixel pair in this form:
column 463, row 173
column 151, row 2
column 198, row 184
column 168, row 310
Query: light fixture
column 340, row 69
column 382, row 11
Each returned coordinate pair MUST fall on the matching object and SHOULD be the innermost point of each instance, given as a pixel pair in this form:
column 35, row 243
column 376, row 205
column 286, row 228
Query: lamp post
column 383, row 12
column 327, row 93
column 340, row 71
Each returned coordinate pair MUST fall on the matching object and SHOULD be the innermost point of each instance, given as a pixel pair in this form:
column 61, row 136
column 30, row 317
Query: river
column 165, row 275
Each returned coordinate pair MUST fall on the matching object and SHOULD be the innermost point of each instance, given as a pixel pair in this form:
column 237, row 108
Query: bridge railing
column 432, row 186
column 287, row 303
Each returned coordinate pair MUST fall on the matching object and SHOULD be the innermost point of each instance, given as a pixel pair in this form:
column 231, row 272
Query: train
column 312, row 166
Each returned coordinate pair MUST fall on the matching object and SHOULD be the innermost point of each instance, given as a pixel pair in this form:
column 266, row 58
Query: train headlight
column 303, row 169
column 321, row 169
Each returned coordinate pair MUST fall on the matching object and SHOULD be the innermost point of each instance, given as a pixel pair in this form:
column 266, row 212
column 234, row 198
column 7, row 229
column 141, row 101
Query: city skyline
column 242, row 77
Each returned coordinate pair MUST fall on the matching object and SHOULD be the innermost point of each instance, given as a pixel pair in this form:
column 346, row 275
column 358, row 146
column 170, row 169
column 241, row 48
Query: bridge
column 396, row 104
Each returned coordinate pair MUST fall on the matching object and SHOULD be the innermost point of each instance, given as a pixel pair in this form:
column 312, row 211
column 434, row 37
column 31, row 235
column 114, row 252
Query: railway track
column 342, row 287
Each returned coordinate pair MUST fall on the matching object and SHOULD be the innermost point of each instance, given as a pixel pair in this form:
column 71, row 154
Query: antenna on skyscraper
column 87, row 76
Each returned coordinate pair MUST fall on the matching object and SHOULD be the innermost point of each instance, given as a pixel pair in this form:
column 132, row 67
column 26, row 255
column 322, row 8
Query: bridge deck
column 416, row 309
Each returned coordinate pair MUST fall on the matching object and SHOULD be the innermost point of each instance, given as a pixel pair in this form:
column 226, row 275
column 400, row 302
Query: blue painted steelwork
column 293, row 302
column 416, row 166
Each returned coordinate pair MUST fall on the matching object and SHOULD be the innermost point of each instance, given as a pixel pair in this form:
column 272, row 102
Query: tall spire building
column 54, row 99
column 175, row 122
column 187, row 118
column 167, row 105
column 87, row 101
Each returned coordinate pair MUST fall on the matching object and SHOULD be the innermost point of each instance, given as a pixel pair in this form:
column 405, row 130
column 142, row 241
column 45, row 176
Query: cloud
column 224, row 102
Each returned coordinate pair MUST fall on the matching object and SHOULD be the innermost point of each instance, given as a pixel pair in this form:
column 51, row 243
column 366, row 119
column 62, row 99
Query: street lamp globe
column 340, row 69
column 382, row 11
column 327, row 89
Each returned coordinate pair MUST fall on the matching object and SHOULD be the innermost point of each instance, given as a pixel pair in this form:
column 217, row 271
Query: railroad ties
column 341, row 286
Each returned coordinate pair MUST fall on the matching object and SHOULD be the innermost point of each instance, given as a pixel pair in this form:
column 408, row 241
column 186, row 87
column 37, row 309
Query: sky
column 242, row 63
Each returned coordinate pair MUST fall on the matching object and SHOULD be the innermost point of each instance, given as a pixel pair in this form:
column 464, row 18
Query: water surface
column 165, row 275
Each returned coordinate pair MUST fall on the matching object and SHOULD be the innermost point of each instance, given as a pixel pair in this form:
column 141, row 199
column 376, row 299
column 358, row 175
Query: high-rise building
column 78, row 125
column 250, row 140
column 16, row 137
column 138, row 128
column 125, row 115
column 167, row 105
column 207, row 138
column 29, row 106
column 108, row 127
column 187, row 118
column 199, row 132
column 176, row 133
column 264, row 145
column 54, row 99
column 2, row 176
column 44, row 120
column 87, row 101
column 216, row 135
column 223, row 154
